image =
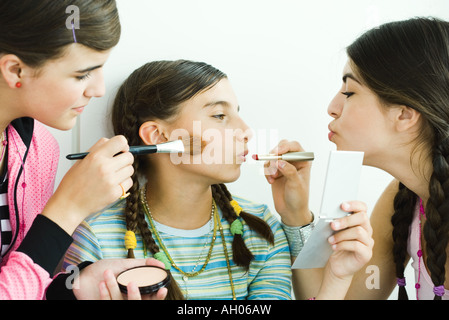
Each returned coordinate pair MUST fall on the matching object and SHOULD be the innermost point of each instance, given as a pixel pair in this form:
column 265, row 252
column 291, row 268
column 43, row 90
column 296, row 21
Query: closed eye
column 84, row 77
column 347, row 94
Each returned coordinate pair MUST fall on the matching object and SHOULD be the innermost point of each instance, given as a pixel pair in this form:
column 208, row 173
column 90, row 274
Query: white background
column 284, row 59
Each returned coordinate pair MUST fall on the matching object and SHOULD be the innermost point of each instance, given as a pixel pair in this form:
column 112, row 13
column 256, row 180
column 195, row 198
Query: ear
column 152, row 132
column 11, row 69
column 406, row 118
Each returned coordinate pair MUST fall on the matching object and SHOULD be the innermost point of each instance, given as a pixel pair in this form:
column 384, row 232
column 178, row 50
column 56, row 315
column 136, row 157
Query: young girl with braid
column 394, row 106
column 216, row 245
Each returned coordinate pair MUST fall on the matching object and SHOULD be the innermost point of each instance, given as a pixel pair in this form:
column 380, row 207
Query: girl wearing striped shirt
column 216, row 246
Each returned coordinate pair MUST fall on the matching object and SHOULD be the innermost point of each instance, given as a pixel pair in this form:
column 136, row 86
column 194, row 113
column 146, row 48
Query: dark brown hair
column 407, row 63
column 36, row 31
column 155, row 91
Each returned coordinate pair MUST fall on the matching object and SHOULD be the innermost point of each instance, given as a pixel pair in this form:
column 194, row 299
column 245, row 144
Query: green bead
column 237, row 227
column 162, row 257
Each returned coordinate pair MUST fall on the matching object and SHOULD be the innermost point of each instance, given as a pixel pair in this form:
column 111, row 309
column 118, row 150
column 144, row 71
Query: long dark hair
column 155, row 91
column 36, row 31
column 407, row 63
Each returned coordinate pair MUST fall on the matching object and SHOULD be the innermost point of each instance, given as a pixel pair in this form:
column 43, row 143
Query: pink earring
column 18, row 84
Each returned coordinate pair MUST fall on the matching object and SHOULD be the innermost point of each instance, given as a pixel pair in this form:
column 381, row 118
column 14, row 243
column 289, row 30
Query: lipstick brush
column 289, row 156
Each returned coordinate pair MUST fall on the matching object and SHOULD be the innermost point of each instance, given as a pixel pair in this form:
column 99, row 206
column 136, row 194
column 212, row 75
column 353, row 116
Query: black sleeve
column 58, row 288
column 45, row 243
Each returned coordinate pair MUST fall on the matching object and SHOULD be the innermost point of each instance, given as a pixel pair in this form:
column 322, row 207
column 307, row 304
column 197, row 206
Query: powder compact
column 149, row 279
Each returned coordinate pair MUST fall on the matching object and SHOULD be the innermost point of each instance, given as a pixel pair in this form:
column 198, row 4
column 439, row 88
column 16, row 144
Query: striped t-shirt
column 269, row 276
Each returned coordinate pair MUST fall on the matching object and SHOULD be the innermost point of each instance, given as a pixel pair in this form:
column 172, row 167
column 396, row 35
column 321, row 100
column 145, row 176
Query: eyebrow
column 224, row 103
column 351, row 76
column 89, row 69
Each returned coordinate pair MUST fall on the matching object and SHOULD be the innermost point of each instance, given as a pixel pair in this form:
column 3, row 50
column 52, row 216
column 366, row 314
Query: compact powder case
column 149, row 279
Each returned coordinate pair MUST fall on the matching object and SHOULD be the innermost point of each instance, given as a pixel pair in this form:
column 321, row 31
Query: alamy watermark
column 223, row 146
column 373, row 280
column 72, row 281
column 73, row 20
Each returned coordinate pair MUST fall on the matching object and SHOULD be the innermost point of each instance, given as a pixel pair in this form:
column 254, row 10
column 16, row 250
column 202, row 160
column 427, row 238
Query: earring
column 18, row 84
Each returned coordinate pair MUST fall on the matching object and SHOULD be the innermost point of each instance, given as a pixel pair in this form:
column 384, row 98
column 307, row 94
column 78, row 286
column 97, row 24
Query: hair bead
column 130, row 240
column 236, row 207
column 236, row 227
column 439, row 291
column 401, row 282
column 162, row 257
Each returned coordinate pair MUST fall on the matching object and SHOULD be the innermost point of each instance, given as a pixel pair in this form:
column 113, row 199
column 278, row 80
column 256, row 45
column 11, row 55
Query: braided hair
column 404, row 202
column 407, row 63
column 241, row 254
column 154, row 91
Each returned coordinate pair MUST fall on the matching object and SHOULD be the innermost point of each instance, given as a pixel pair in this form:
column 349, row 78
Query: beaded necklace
column 438, row 290
column 419, row 252
column 228, row 265
column 193, row 273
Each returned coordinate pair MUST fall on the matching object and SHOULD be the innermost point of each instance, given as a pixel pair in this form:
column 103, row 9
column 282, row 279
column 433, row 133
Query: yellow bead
column 130, row 240
column 236, row 207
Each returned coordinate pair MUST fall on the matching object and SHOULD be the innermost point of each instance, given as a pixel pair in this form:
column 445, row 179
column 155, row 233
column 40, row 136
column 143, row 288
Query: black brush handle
column 136, row 150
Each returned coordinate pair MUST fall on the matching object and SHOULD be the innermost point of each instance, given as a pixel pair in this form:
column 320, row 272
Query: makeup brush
column 191, row 145
column 289, row 156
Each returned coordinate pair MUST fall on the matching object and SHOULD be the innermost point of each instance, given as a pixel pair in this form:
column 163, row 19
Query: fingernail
column 281, row 164
column 108, row 275
column 331, row 239
column 345, row 206
column 336, row 225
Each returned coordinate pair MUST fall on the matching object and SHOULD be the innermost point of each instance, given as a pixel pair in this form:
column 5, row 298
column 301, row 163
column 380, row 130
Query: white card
column 342, row 181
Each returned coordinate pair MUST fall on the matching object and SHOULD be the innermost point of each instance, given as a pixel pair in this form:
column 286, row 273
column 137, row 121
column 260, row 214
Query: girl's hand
column 290, row 185
column 109, row 290
column 98, row 280
column 92, row 183
column 352, row 243
column 353, row 247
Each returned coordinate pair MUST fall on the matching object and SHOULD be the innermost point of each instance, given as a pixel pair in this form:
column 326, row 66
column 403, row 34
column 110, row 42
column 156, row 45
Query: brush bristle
column 193, row 145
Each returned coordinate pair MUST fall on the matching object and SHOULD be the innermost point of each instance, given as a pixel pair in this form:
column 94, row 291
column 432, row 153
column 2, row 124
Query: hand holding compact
column 352, row 243
column 98, row 280
column 353, row 247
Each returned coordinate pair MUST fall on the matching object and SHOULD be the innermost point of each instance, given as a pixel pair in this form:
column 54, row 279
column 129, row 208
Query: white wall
column 284, row 59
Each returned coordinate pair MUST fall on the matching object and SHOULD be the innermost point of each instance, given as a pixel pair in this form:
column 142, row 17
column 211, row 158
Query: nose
column 335, row 106
column 96, row 87
column 244, row 133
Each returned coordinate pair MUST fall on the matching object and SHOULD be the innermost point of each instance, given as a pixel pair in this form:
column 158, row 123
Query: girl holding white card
column 393, row 106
